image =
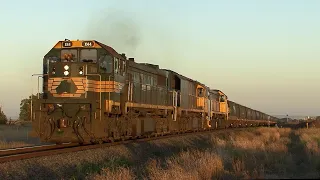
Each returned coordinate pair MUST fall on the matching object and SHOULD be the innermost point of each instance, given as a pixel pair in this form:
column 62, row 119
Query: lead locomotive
column 90, row 93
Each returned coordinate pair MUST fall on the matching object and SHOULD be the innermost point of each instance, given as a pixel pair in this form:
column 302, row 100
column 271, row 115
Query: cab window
column 105, row 63
column 69, row 55
column 120, row 67
column 136, row 77
column 116, row 65
column 200, row 92
column 124, row 68
column 222, row 99
column 88, row 55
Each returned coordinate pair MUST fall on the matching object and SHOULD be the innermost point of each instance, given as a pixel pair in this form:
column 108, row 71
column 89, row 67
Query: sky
column 262, row 54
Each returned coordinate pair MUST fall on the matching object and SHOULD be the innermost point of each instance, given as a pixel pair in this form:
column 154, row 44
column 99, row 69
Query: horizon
column 263, row 55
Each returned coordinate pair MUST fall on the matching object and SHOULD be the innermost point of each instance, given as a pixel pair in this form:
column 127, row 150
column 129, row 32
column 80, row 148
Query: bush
column 3, row 117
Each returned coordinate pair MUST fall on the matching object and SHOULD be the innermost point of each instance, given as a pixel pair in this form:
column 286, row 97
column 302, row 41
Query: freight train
column 92, row 94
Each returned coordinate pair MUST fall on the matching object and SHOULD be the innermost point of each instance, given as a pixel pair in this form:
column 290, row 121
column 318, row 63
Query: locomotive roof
column 112, row 51
column 97, row 44
column 184, row 77
column 151, row 68
column 217, row 91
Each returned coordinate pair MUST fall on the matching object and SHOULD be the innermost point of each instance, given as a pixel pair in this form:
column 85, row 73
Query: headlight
column 66, row 73
column 81, row 70
column 66, row 67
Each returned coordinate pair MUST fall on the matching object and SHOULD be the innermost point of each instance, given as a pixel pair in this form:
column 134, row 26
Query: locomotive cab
column 223, row 103
column 82, row 81
column 219, row 103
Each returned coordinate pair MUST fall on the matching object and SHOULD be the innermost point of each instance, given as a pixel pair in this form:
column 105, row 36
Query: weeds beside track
column 21, row 153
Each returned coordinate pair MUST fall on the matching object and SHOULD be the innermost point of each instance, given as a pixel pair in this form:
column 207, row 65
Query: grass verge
column 232, row 154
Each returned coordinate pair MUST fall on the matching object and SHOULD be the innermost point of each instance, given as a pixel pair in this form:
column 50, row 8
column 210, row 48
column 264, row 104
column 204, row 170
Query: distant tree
column 25, row 108
column 318, row 118
column 3, row 117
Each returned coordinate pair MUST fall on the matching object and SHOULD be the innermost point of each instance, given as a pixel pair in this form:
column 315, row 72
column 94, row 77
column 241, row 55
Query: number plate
column 67, row 44
column 87, row 44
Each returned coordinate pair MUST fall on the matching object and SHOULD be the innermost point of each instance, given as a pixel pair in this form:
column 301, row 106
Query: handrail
column 100, row 98
column 38, row 94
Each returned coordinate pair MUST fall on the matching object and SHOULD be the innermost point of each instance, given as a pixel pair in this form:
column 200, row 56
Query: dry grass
column 118, row 174
column 245, row 154
column 14, row 144
column 187, row 165
column 263, row 139
column 311, row 139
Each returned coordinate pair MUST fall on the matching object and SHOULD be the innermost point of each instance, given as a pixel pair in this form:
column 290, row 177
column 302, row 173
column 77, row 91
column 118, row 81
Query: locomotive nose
column 66, row 86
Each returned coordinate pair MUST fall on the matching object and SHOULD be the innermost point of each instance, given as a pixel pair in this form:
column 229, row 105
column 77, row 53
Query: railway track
column 15, row 154
column 28, row 149
column 31, row 151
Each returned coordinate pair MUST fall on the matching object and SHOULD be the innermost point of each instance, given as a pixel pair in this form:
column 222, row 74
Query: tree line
column 3, row 117
column 25, row 111
column 25, row 108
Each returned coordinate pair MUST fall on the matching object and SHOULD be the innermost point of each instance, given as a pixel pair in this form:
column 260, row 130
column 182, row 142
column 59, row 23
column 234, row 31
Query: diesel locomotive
column 91, row 93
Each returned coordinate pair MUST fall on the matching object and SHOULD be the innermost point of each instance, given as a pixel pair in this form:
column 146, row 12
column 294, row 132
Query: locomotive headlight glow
column 66, row 73
column 81, row 70
column 66, row 67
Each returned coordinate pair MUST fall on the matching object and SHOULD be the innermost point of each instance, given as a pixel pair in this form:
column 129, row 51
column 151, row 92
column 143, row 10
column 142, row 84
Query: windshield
column 88, row 55
column 69, row 55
